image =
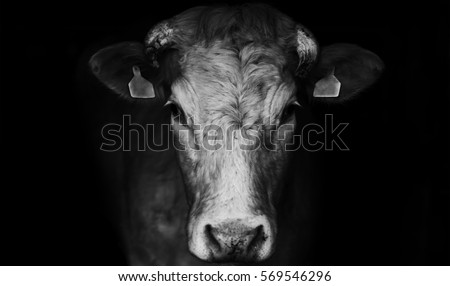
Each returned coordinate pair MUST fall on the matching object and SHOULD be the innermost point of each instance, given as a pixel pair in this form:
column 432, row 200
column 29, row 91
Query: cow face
column 232, row 113
column 230, row 73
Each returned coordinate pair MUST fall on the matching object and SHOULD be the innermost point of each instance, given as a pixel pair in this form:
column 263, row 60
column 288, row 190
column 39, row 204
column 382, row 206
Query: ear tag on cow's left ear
column 139, row 86
column 328, row 86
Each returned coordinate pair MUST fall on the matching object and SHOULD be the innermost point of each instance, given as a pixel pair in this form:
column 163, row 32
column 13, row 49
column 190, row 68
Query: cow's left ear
column 119, row 67
column 341, row 72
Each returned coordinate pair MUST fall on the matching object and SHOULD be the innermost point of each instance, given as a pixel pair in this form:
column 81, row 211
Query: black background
column 386, row 202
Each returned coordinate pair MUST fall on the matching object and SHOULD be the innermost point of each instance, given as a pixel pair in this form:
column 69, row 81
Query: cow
column 245, row 68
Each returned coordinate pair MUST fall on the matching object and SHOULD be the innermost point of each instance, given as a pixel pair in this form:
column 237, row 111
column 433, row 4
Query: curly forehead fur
column 235, row 25
column 223, row 86
column 234, row 60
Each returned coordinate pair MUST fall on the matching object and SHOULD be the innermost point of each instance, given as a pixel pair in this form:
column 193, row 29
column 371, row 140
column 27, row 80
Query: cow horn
column 160, row 36
column 307, row 50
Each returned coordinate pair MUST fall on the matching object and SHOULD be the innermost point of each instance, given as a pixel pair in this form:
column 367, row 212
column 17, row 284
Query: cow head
column 231, row 76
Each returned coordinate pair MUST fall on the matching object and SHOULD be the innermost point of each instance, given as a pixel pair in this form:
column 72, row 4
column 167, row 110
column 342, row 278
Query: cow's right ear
column 125, row 69
column 341, row 73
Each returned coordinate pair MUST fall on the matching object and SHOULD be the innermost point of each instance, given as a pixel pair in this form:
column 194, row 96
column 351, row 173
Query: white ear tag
column 328, row 86
column 139, row 86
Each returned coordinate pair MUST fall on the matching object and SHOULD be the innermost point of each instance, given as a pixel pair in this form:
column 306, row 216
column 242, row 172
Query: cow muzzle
column 233, row 240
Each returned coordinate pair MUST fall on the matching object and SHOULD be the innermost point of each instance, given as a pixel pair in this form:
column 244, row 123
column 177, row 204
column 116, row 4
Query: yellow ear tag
column 328, row 86
column 139, row 86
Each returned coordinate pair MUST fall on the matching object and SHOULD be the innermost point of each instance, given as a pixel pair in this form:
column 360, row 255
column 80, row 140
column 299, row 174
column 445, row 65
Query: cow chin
column 234, row 238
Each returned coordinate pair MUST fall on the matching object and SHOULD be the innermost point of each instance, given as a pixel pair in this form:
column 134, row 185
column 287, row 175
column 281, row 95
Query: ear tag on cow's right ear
column 139, row 86
column 328, row 86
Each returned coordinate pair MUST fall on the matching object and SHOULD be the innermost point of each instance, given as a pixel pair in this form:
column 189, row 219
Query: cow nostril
column 234, row 240
column 248, row 240
column 258, row 238
column 210, row 238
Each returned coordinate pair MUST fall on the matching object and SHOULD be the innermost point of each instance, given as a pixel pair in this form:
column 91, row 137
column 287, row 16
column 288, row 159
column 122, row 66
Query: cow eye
column 175, row 110
column 177, row 113
column 288, row 112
